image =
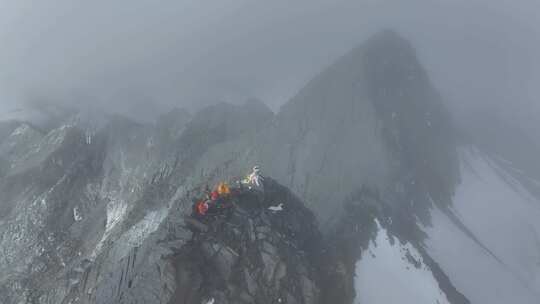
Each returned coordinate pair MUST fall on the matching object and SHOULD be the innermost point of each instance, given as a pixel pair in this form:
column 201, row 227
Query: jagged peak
column 389, row 39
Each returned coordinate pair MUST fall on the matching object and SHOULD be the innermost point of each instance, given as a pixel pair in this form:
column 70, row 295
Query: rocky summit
column 253, row 253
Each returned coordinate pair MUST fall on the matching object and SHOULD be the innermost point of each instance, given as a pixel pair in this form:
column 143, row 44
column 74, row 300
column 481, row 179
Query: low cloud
column 142, row 57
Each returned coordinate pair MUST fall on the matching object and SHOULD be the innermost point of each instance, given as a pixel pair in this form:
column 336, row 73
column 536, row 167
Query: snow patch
column 77, row 214
column 277, row 208
column 115, row 213
column 89, row 135
column 116, row 210
column 386, row 274
column 21, row 130
column 503, row 216
column 139, row 232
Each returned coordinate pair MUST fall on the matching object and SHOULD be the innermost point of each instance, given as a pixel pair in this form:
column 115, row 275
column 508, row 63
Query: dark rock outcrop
column 252, row 254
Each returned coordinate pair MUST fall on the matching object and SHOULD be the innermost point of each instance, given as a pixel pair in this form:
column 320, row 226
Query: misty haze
column 296, row 152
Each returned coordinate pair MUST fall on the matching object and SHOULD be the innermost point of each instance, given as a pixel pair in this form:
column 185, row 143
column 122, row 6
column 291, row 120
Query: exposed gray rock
column 239, row 269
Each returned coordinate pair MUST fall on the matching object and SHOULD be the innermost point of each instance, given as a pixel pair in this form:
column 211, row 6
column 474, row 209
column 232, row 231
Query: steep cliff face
column 373, row 118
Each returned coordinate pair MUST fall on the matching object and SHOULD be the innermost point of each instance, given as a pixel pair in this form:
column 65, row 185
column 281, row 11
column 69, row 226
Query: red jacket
column 202, row 207
column 214, row 195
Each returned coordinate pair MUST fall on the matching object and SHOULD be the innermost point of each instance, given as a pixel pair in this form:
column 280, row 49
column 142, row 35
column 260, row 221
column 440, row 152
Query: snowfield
column 385, row 275
column 488, row 244
column 503, row 264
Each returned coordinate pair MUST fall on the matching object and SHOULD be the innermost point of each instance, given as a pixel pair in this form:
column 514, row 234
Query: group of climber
column 219, row 199
column 213, row 200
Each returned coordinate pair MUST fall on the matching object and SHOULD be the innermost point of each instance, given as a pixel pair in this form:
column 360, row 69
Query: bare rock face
column 251, row 254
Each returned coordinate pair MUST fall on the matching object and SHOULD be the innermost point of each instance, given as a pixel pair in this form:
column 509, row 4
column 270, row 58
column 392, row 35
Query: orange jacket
column 223, row 189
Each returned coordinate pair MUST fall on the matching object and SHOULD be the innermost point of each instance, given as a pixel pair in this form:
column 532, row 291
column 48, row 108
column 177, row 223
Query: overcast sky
column 129, row 54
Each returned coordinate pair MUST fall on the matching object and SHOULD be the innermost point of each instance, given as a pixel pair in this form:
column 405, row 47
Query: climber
column 255, row 178
column 207, row 191
column 214, row 195
column 223, row 189
column 202, row 207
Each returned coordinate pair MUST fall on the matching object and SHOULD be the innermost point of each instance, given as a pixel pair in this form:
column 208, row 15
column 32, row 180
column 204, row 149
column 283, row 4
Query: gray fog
column 142, row 57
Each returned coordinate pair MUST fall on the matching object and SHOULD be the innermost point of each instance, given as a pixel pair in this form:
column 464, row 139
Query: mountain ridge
column 93, row 206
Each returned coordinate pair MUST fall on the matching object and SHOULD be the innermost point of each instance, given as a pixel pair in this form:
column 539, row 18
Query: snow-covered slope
column 391, row 272
column 489, row 243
